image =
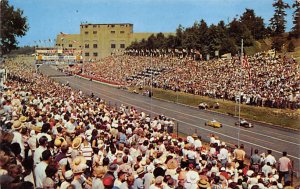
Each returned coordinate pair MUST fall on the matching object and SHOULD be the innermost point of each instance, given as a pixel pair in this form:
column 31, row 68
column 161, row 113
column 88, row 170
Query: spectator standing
column 284, row 165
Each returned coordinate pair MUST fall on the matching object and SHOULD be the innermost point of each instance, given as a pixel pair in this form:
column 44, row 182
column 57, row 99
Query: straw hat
column 172, row 164
column 79, row 169
column 78, row 162
column 195, row 135
column 59, row 141
column 203, row 183
column 99, row 171
column 17, row 125
column 23, row 119
column 76, row 142
column 140, row 171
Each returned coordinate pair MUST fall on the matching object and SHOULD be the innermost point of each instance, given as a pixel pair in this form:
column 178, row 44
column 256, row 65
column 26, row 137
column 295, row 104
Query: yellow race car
column 214, row 124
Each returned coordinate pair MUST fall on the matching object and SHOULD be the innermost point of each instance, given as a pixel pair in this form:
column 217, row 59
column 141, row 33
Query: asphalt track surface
column 192, row 120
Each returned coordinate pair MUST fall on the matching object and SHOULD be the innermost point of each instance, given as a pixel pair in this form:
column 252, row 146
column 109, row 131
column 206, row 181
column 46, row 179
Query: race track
column 192, row 120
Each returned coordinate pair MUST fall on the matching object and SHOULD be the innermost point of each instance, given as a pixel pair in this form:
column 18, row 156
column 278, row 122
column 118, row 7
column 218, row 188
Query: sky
column 47, row 18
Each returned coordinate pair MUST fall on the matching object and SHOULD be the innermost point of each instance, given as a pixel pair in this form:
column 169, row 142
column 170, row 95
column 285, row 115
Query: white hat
column 250, row 173
column 192, row 177
column 280, row 186
column 69, row 174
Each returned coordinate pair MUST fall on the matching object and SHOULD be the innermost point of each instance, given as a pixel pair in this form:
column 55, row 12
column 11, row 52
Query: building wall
column 101, row 40
column 68, row 41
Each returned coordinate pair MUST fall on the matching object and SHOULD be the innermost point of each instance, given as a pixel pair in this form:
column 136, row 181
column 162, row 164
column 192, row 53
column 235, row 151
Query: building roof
column 106, row 24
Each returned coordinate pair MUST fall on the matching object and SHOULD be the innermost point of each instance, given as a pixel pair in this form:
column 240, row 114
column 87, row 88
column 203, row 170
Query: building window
column 122, row 46
column 70, row 45
column 95, row 54
column 122, row 31
column 86, row 26
column 86, row 46
column 94, row 26
column 87, row 54
column 95, row 46
column 113, row 32
column 86, row 33
column 94, row 32
column 113, row 46
column 112, row 26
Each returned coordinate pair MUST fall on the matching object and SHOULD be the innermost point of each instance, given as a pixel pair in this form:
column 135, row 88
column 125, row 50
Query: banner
column 60, row 58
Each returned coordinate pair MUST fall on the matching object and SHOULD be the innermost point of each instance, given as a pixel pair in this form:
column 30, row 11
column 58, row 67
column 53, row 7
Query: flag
column 250, row 75
column 245, row 63
column 63, row 34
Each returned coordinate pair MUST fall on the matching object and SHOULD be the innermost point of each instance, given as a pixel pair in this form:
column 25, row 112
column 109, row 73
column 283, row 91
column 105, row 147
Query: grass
column 281, row 117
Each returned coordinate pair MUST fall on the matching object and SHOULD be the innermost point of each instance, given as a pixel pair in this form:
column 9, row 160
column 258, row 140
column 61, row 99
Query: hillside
column 265, row 45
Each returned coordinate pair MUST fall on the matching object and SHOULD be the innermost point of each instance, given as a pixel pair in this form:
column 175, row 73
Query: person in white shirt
column 39, row 170
column 270, row 158
column 197, row 142
column 43, row 143
column 266, row 169
column 223, row 155
column 70, row 126
column 17, row 126
column 69, row 176
column 121, row 178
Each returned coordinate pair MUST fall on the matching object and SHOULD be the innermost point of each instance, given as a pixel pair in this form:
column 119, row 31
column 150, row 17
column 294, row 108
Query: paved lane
column 192, row 119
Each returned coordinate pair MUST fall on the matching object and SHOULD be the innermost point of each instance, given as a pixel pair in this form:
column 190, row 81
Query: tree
column 291, row 47
column 296, row 21
column 254, row 23
column 278, row 22
column 13, row 25
column 239, row 31
column 278, row 42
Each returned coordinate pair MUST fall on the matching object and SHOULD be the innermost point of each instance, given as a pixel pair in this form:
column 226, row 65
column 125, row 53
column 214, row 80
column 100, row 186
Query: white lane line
column 256, row 139
column 266, row 131
column 188, row 123
column 246, row 130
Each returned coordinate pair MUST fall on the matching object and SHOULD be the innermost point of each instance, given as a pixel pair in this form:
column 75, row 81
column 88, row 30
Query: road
column 192, row 120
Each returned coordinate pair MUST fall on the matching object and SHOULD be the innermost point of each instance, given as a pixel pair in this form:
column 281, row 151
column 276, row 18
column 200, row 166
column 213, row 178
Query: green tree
column 13, row 25
column 239, row 31
column 179, row 36
column 291, row 47
column 228, row 46
column 296, row 21
column 278, row 42
column 278, row 22
column 254, row 23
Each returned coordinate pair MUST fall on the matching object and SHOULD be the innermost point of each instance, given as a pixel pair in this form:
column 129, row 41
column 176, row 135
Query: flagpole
column 240, row 93
column 151, row 89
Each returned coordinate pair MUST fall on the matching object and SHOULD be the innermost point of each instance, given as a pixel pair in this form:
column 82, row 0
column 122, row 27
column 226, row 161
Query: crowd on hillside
column 262, row 80
column 55, row 137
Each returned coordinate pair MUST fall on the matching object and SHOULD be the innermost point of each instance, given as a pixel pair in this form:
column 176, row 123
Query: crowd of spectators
column 260, row 80
column 55, row 137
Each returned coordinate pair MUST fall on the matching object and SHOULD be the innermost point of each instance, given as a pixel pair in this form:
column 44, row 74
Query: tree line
column 201, row 37
column 226, row 38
